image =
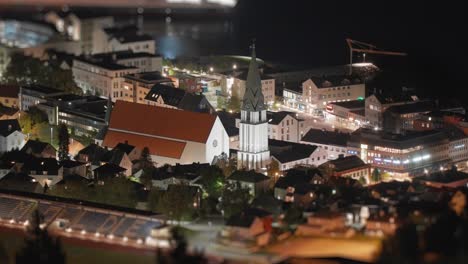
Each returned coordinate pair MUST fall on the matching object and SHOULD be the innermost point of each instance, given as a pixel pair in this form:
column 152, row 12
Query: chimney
column 10, row 127
column 114, row 57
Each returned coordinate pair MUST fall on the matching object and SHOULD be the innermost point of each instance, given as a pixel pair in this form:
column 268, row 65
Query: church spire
column 253, row 97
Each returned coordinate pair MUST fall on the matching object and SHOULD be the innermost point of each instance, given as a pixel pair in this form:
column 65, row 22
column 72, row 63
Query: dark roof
column 192, row 189
column 347, row 163
column 35, row 146
column 171, row 95
column 10, row 91
column 334, row 81
column 326, row 137
column 109, row 168
column 149, row 77
column 393, row 98
column 94, row 152
column 42, row 164
column 297, row 177
column 9, row 111
column 354, row 104
column 127, row 148
column 19, row 182
column 71, row 163
column 447, row 176
column 114, row 156
column 398, row 141
column 416, row 107
column 285, row 151
column 122, row 55
column 276, row 117
column 9, row 126
column 103, row 63
column 253, row 99
column 195, row 103
column 229, row 122
column 41, row 89
column 128, row 38
column 248, row 176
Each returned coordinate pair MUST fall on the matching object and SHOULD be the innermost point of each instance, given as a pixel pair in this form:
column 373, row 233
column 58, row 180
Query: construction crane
column 358, row 46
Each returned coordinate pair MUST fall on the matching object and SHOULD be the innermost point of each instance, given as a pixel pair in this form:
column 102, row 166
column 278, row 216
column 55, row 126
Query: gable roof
column 157, row 146
column 36, row 146
column 125, row 147
column 10, row 91
column 334, row 81
column 347, row 163
column 325, row 137
column 275, row 118
column 170, row 95
column 285, row 151
column 9, row 126
column 414, row 107
column 248, row 176
column 161, row 122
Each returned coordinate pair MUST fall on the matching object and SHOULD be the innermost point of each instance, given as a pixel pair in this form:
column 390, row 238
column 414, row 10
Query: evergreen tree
column 64, row 141
column 39, row 247
column 376, row 175
column 234, row 199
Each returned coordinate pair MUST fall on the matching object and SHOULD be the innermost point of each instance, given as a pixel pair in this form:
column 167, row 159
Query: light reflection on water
column 191, row 37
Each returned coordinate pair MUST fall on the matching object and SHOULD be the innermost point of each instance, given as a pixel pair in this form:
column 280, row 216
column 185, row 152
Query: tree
column 362, row 180
column 293, row 215
column 234, row 103
column 212, row 180
column 64, row 142
column 39, row 247
column 145, row 158
column 146, row 164
column 177, row 203
column 234, row 199
column 376, row 175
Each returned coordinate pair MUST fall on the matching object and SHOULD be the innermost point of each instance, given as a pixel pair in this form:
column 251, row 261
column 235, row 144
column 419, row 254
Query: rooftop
column 9, row 126
column 248, row 176
column 148, row 77
column 448, row 176
column 346, row 163
column 354, row 104
column 285, row 151
column 276, row 117
column 10, row 91
column 414, row 107
column 334, row 81
column 326, row 137
column 41, row 89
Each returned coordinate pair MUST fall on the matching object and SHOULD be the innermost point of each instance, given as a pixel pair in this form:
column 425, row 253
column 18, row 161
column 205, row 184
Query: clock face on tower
column 215, row 143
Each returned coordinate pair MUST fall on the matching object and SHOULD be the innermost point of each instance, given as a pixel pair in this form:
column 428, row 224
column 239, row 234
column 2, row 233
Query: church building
column 253, row 151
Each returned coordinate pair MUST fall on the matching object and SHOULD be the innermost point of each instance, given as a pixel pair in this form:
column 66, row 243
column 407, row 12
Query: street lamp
column 234, row 66
column 51, row 134
column 364, row 55
column 211, row 69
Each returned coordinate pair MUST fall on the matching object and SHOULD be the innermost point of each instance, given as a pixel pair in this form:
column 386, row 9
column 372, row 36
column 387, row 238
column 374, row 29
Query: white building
column 11, row 136
column 99, row 77
column 253, row 130
column 333, row 143
column 290, row 154
column 35, row 94
column 172, row 136
column 285, row 126
column 235, row 84
column 136, row 43
column 318, row 92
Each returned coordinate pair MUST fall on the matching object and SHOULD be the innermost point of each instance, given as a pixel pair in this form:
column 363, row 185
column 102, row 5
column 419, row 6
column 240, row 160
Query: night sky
column 312, row 33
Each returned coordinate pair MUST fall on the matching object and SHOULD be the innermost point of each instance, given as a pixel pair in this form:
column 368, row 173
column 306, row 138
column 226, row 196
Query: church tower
column 253, row 151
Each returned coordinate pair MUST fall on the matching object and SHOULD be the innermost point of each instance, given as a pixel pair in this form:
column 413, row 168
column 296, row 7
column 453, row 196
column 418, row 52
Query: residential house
column 138, row 85
column 257, row 183
column 334, row 143
column 31, row 95
column 71, row 167
column 46, row 171
column 350, row 166
column 290, row 154
column 285, row 126
column 39, row 149
column 302, row 179
column 11, row 136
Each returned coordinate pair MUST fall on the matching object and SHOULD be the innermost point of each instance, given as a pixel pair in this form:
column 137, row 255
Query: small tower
column 253, row 151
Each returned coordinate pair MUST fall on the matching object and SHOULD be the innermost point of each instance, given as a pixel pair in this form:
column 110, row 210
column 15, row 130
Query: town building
column 290, row 154
column 350, row 166
column 172, row 136
column 39, row 149
column 9, row 95
column 31, row 95
column 285, row 126
column 347, row 113
column 334, row 143
column 376, row 104
column 11, row 136
column 451, row 178
column 300, row 179
column 101, row 77
column 320, row 91
column 168, row 96
column 256, row 183
column 235, row 84
column 409, row 154
column 128, row 38
column 138, row 85
column 398, row 118
column 253, row 151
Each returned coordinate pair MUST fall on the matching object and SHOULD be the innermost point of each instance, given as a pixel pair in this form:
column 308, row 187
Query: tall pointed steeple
column 253, row 97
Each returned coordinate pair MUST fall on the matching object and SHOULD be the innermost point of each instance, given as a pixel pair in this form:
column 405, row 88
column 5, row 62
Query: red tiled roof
column 163, row 122
column 157, row 146
column 10, row 91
